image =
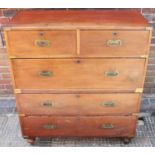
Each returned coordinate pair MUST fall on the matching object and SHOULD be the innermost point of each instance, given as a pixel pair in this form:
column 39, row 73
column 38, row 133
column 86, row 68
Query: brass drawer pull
column 111, row 73
column 107, row 126
column 47, row 104
column 114, row 42
column 49, row 126
column 42, row 43
column 108, row 104
column 45, row 73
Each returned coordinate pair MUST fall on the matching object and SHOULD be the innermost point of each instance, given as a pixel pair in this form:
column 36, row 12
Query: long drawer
column 78, row 104
column 111, row 126
column 110, row 74
column 42, row 43
column 114, row 43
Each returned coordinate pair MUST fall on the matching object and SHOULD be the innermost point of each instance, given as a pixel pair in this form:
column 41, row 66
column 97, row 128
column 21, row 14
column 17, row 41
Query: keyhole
column 78, row 61
column 41, row 33
column 114, row 33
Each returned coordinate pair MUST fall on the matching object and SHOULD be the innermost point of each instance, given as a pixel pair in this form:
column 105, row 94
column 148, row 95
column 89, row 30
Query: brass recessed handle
column 45, row 73
column 111, row 73
column 108, row 104
column 49, row 126
column 114, row 42
column 42, row 43
column 47, row 104
column 107, row 126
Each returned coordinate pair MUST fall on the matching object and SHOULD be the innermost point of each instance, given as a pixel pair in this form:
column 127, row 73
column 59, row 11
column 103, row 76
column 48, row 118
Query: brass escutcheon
column 114, row 42
column 111, row 73
column 49, row 126
column 42, row 43
column 108, row 104
column 107, row 126
column 47, row 104
column 45, row 73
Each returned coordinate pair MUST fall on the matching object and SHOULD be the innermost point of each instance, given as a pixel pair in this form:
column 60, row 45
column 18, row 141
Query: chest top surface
column 78, row 19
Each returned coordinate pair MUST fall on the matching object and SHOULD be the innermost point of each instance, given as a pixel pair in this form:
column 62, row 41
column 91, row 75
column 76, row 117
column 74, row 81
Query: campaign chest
column 78, row 73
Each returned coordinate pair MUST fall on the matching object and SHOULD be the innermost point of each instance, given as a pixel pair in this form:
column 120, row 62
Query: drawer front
column 78, row 104
column 111, row 74
column 114, row 43
column 31, row 44
column 111, row 126
column 49, row 126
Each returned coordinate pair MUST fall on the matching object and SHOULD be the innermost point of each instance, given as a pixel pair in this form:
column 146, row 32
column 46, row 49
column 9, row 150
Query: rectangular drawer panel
column 111, row 126
column 114, row 43
column 49, row 126
column 31, row 44
column 78, row 104
column 111, row 74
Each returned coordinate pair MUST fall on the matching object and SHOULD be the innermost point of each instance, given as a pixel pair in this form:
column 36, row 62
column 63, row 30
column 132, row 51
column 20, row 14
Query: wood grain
column 61, row 43
column 64, row 88
column 78, row 74
column 124, row 126
column 78, row 104
column 94, row 43
column 80, row 18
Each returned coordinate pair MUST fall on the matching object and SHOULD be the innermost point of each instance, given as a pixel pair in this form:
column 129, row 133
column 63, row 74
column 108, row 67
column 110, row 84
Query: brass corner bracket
column 139, row 90
column 17, row 91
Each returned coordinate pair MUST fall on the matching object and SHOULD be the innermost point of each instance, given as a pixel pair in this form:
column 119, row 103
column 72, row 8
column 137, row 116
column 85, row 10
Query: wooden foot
column 126, row 140
column 30, row 140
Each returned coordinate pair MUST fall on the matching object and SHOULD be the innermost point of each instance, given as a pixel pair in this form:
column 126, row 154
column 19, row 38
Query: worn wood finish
column 122, row 126
column 34, row 126
column 76, row 43
column 133, row 43
column 78, row 18
column 78, row 104
column 89, row 88
column 79, row 126
column 61, row 43
column 78, row 74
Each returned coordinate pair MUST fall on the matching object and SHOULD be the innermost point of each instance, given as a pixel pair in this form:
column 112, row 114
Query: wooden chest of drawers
column 78, row 73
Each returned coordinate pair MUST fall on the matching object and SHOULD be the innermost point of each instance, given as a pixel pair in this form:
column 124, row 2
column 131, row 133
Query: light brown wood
column 79, row 126
column 9, row 60
column 78, row 74
column 38, row 126
column 133, row 43
column 78, row 42
column 123, row 126
column 89, row 43
column 78, row 18
column 70, row 82
column 78, row 104
column 61, row 43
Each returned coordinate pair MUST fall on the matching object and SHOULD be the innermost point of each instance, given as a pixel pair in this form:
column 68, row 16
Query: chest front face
column 78, row 75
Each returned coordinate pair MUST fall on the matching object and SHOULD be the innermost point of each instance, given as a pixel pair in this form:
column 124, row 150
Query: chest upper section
column 49, row 34
column 82, row 43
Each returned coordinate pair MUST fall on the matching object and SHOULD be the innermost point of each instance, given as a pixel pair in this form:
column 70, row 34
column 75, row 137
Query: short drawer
column 73, row 74
column 110, row 126
column 48, row 126
column 114, row 43
column 78, row 104
column 33, row 44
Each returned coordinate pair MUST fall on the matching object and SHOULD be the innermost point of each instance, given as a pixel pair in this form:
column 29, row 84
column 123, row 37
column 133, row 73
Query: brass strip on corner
column 22, row 115
column 144, row 56
column 12, row 57
column 139, row 90
column 78, row 41
column 17, row 91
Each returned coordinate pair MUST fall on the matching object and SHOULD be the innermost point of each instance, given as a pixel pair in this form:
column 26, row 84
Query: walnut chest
column 78, row 73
